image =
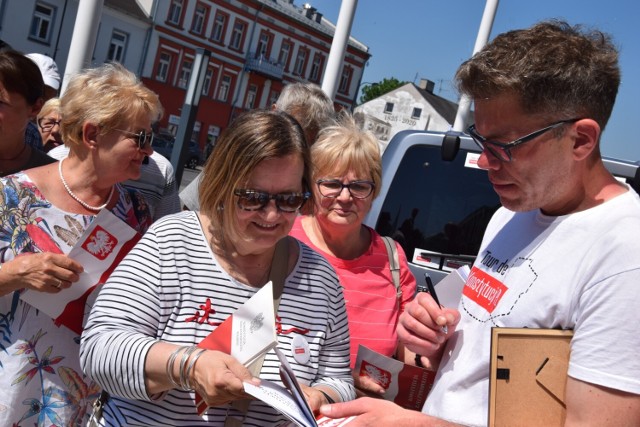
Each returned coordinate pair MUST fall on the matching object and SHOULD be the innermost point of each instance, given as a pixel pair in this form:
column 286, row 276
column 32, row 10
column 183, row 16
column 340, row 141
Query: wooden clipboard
column 528, row 376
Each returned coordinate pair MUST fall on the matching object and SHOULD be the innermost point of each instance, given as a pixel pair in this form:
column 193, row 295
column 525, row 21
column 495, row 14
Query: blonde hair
column 108, row 96
column 343, row 147
column 51, row 106
column 253, row 137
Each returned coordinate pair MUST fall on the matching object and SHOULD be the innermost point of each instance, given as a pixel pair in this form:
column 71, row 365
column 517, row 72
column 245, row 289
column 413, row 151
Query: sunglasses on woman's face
column 142, row 138
column 253, row 200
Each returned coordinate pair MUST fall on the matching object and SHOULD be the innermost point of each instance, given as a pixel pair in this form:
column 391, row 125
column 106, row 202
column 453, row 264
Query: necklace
column 77, row 199
column 8, row 159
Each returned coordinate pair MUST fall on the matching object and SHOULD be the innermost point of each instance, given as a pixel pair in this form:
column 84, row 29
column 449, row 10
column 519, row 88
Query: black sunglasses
column 253, row 200
column 143, row 138
column 503, row 151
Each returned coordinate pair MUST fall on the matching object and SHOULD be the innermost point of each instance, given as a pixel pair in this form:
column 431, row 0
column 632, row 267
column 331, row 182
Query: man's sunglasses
column 142, row 138
column 253, row 200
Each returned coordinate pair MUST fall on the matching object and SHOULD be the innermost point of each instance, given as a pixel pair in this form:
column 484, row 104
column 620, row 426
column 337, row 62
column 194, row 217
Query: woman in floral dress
column 107, row 116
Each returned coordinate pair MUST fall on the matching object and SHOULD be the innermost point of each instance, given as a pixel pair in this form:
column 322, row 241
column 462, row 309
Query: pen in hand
column 432, row 290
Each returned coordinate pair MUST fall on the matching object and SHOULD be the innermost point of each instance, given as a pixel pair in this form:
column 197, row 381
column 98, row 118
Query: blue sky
column 413, row 39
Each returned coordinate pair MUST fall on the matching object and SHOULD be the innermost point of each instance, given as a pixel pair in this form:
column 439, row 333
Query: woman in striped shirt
column 194, row 269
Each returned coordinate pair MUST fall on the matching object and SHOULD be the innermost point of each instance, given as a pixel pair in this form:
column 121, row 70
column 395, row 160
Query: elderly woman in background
column 49, row 124
column 107, row 120
column 347, row 175
column 194, row 269
column 21, row 91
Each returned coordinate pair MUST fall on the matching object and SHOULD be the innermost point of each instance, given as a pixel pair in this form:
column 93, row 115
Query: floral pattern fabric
column 41, row 381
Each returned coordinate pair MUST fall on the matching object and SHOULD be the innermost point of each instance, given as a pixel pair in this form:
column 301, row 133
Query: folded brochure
column 248, row 333
column 100, row 248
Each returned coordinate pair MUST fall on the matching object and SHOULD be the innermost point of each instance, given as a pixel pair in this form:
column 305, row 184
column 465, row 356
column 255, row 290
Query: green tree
column 373, row 90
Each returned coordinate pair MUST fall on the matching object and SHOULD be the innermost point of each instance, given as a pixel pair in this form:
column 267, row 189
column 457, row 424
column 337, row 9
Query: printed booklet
column 406, row 385
column 290, row 400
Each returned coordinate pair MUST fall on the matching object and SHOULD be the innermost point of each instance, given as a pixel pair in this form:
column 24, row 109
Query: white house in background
column 407, row 107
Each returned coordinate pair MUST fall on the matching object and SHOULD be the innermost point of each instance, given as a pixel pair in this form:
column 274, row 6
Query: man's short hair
column 556, row 69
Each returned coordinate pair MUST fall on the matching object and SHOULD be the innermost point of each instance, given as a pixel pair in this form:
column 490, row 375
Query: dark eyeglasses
column 333, row 187
column 143, row 138
column 253, row 200
column 47, row 124
column 503, row 151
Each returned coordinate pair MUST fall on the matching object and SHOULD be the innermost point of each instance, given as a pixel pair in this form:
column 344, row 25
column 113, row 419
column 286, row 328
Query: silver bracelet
column 170, row 361
column 185, row 356
column 189, row 369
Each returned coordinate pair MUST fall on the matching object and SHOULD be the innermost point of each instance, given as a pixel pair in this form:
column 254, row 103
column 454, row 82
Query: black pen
column 432, row 290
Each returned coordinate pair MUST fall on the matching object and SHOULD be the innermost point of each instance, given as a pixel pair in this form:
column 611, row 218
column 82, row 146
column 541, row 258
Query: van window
column 437, row 206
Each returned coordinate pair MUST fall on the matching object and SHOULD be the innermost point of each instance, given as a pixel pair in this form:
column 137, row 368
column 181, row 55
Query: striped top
column 158, row 293
column 373, row 306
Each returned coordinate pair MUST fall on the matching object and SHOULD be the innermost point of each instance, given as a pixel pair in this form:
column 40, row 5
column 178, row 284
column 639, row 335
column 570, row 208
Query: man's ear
column 90, row 133
column 587, row 137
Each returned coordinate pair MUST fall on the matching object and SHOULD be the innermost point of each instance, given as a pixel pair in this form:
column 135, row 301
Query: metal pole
column 338, row 47
column 83, row 40
column 189, row 112
column 464, row 106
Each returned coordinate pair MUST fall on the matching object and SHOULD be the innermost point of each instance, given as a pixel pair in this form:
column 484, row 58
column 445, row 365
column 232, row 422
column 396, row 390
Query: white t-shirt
column 579, row 271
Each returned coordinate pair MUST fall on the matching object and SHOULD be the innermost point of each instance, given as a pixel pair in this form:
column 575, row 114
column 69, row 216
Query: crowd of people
column 281, row 200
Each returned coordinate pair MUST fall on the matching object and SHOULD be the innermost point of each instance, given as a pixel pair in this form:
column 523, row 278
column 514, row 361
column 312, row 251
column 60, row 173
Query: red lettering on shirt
column 485, row 290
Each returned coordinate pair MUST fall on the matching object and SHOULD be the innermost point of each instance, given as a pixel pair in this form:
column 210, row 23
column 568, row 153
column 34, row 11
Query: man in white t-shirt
column 564, row 250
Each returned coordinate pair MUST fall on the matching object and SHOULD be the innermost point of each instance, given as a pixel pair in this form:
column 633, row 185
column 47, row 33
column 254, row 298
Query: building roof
column 314, row 20
column 447, row 109
column 128, row 7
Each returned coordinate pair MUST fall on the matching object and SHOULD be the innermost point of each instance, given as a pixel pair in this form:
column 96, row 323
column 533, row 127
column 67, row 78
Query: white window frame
column 252, row 94
column 199, row 16
column 206, row 85
column 117, row 47
column 416, row 113
column 42, row 21
column 225, row 87
column 285, row 51
column 344, row 80
column 301, row 59
column 219, row 22
column 175, row 11
column 185, row 73
column 314, row 75
column 236, row 35
column 164, row 63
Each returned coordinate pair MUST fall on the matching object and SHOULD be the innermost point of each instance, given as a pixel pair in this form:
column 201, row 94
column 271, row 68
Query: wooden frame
column 528, row 374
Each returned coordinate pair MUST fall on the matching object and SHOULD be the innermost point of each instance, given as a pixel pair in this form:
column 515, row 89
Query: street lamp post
column 189, row 112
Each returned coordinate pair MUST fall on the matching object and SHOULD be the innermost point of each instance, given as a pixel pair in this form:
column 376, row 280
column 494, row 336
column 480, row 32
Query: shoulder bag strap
column 394, row 264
